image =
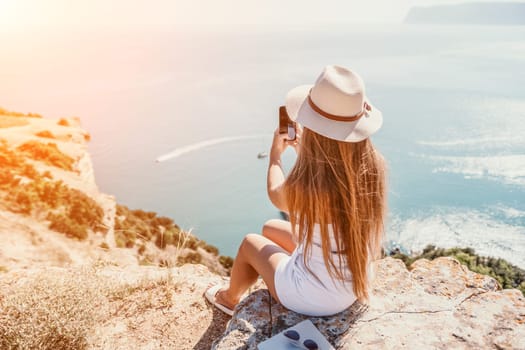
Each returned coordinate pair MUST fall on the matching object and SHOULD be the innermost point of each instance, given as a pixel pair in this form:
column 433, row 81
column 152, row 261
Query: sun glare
column 7, row 10
column 14, row 13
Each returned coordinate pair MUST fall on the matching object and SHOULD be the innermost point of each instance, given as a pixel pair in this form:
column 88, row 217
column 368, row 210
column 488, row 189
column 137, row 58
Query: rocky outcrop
column 439, row 304
column 27, row 240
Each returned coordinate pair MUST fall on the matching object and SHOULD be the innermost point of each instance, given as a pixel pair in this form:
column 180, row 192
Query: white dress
column 299, row 291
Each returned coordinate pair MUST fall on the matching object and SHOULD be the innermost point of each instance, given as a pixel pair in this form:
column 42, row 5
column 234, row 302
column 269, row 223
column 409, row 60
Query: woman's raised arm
column 276, row 178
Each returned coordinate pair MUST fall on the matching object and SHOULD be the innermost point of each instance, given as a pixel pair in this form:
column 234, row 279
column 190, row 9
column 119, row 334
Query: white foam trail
column 203, row 144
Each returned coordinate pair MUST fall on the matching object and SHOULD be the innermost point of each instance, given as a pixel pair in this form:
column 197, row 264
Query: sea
column 178, row 119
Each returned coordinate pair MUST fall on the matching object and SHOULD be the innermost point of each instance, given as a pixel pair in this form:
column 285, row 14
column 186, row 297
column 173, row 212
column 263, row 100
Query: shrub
column 48, row 153
column 131, row 225
column 70, row 211
column 226, row 261
column 83, row 209
column 23, row 200
column 210, row 248
column 63, row 122
column 189, row 258
column 63, row 224
column 163, row 221
column 9, row 158
column 7, row 179
column 29, row 171
column 46, row 133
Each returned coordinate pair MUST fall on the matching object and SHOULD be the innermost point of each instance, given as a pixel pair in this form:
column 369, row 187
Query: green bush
column 30, row 172
column 63, row 224
column 226, row 261
column 46, row 133
column 8, row 179
column 84, row 209
column 48, row 153
column 24, row 201
column 146, row 225
column 63, row 122
column 8, row 158
column 70, row 211
column 508, row 275
column 189, row 258
column 210, row 248
column 131, row 225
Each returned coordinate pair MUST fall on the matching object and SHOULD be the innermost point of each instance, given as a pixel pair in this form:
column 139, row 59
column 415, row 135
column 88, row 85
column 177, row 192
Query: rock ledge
column 438, row 304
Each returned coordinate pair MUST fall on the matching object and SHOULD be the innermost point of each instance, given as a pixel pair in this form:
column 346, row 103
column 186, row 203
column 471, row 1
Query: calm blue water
column 452, row 98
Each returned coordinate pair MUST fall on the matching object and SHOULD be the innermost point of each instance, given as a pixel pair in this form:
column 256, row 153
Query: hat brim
column 300, row 111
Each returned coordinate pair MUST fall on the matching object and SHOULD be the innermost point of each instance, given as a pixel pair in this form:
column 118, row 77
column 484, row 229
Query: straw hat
column 335, row 106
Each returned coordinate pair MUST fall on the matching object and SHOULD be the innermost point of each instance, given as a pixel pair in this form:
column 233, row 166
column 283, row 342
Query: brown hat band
column 366, row 107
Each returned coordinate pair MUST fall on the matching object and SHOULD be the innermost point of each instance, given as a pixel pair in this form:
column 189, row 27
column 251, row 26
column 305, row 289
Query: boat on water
column 262, row 155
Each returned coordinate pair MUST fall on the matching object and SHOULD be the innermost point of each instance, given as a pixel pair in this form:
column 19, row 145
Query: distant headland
column 484, row 13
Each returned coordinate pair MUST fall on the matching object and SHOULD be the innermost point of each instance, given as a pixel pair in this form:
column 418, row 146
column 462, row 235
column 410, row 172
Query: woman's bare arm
column 276, row 178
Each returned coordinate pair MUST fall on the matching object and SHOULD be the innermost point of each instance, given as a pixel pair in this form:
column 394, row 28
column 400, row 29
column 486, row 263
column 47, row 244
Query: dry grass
column 49, row 311
column 66, row 309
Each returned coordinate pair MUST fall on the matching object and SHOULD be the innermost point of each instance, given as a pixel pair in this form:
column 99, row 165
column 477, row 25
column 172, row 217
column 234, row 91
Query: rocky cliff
column 438, row 304
column 61, row 292
column 25, row 231
column 52, row 212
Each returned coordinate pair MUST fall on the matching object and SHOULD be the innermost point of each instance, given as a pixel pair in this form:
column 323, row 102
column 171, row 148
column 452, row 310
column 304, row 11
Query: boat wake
column 203, row 144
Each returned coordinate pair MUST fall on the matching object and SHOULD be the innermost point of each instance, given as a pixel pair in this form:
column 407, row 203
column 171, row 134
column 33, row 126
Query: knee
column 248, row 240
column 271, row 225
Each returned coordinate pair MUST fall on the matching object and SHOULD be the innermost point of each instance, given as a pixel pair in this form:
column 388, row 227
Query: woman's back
column 336, row 196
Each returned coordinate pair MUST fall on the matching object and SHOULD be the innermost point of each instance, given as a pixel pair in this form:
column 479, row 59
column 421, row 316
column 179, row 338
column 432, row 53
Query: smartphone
column 286, row 125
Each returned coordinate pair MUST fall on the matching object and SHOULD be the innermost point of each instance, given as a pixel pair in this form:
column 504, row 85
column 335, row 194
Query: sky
column 24, row 15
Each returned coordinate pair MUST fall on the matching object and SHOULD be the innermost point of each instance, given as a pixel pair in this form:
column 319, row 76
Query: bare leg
column 257, row 255
column 280, row 232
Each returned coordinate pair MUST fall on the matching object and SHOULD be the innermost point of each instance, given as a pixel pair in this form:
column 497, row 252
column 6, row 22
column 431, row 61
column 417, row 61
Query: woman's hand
column 298, row 135
column 280, row 142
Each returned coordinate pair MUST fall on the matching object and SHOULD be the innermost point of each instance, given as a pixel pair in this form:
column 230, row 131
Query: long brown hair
column 342, row 184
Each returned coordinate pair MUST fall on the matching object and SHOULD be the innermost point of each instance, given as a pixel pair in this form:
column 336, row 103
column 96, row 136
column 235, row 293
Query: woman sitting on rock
column 318, row 264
